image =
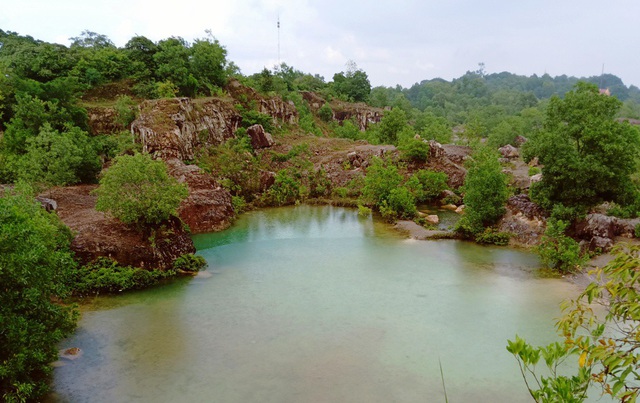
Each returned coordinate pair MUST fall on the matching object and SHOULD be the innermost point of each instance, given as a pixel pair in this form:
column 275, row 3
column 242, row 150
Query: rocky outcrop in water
column 97, row 234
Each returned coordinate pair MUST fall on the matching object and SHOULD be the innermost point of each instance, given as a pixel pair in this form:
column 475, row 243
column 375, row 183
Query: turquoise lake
column 317, row 304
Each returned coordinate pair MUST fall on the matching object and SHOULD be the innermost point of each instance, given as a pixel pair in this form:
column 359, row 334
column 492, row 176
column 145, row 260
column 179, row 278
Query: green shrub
column 347, row 129
column 325, row 113
column 558, row 251
column 105, row 275
column 426, row 185
column 252, row 117
column 452, row 199
column 485, row 190
column 239, row 204
column 491, row 236
column 402, row 203
column 189, row 262
column 382, row 177
column 36, row 268
column 342, row 192
column 319, row 184
column 413, row 149
column 137, row 189
column 636, row 231
column 285, row 189
column 125, row 111
column 364, row 211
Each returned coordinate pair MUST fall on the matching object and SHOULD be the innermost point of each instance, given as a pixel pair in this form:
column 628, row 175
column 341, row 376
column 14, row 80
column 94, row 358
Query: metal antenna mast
column 601, row 75
column 278, row 39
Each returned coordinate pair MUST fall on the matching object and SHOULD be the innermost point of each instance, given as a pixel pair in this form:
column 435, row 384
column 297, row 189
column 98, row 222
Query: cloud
column 395, row 42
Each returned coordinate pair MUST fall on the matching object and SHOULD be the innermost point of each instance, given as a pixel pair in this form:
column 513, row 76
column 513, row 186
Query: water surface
column 316, row 304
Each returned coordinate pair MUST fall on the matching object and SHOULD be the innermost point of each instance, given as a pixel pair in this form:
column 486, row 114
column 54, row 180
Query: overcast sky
column 395, row 42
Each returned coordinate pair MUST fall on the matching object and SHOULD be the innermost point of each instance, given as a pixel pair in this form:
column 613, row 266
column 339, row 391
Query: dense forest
column 577, row 129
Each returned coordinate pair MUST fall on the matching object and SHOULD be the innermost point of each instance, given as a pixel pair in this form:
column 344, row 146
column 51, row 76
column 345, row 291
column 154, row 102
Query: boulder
column 259, row 138
column 596, row 225
column 535, row 178
column 267, row 179
column 509, row 151
column 460, row 209
column 432, row 219
column 600, row 244
column 520, row 140
column 48, row 204
column 522, row 204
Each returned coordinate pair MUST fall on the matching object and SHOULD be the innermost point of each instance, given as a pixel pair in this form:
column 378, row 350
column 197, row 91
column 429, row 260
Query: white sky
column 395, row 42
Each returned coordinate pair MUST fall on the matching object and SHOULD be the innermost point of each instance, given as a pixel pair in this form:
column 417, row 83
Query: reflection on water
column 316, row 304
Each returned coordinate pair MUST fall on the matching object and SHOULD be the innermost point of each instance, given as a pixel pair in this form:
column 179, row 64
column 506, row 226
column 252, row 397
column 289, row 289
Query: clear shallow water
column 315, row 304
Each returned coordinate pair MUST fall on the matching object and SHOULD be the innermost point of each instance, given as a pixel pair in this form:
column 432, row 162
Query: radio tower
column 278, row 39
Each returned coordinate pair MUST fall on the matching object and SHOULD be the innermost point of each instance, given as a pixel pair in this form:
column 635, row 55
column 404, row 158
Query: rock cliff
column 361, row 113
column 176, row 127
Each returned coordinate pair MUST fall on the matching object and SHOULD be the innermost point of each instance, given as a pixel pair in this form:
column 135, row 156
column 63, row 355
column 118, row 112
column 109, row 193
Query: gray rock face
column 596, row 225
column 524, row 219
column 599, row 230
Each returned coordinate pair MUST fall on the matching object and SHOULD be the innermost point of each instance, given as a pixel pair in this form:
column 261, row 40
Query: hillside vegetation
column 97, row 115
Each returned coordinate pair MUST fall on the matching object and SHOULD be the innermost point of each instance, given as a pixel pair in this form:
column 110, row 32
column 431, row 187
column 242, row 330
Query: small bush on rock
column 189, row 262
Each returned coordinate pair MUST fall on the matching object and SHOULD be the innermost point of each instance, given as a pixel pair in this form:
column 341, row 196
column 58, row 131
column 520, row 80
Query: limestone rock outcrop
column 509, row 151
column 175, row 128
column 361, row 113
column 276, row 107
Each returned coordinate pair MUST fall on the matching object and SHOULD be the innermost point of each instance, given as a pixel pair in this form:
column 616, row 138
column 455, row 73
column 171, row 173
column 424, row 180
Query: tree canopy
column 587, row 155
column 35, row 267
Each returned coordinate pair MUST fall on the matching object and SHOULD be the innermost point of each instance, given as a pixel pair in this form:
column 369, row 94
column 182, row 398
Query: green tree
column 35, row 266
column 485, row 192
column 354, row 84
column 606, row 341
column 172, row 60
column 137, row 189
column 208, row 62
column 426, row 185
column 382, row 177
column 55, row 159
column 587, row 155
column 391, row 125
